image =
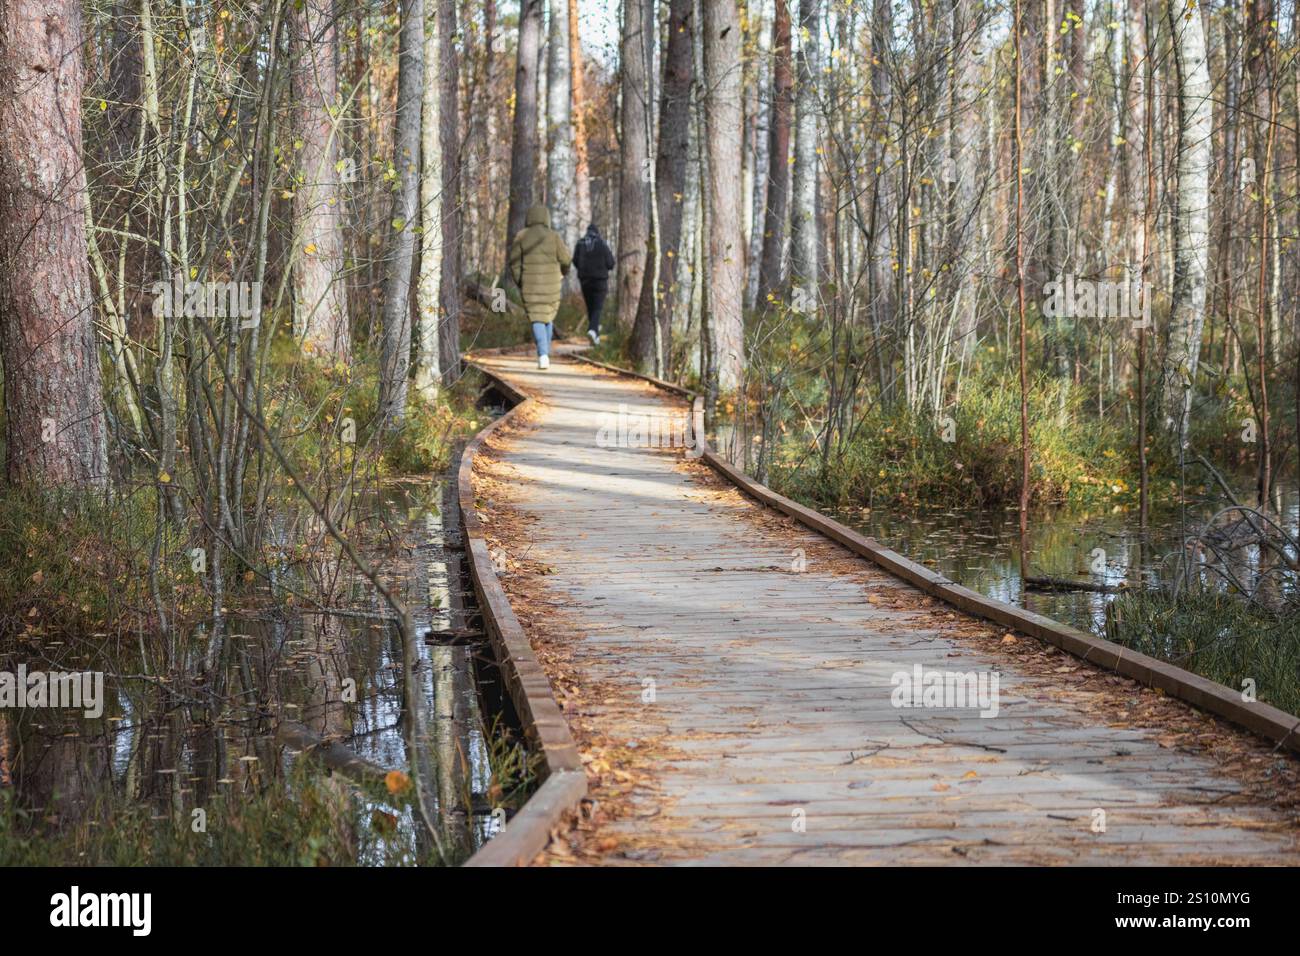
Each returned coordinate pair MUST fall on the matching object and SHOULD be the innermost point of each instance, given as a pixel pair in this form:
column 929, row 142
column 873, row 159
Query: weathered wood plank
column 773, row 688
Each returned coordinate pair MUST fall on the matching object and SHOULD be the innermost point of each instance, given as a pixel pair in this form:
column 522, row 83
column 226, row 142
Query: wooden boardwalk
column 728, row 677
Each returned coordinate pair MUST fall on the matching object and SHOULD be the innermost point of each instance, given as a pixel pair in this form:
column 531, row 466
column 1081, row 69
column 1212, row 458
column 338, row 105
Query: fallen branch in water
column 1064, row 584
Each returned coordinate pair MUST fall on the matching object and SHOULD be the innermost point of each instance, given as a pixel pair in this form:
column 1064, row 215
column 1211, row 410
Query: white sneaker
column 543, row 361
column 594, row 336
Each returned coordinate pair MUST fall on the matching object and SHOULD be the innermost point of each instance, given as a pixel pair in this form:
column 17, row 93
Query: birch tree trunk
column 726, row 250
column 395, row 359
column 1191, row 219
column 756, row 206
column 560, row 172
column 634, row 167
column 55, row 431
column 803, row 216
column 428, row 354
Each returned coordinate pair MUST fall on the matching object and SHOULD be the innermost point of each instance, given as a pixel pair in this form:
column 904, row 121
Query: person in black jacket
column 593, row 260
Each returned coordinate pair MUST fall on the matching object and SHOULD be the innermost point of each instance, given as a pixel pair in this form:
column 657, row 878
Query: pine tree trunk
column 582, row 189
column 319, row 303
column 523, row 154
column 652, row 332
column 54, row 417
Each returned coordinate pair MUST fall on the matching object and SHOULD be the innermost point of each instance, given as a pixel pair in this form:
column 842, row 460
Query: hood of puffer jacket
column 538, row 215
column 592, row 232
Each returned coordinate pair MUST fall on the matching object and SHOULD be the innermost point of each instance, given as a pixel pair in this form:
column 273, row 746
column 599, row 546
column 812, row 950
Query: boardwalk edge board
column 1269, row 722
column 565, row 782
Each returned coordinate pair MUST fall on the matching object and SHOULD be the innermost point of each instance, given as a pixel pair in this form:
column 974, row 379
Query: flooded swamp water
column 185, row 742
column 980, row 549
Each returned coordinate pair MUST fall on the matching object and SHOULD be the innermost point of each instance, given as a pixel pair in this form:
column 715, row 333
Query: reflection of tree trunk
column 57, row 774
column 324, row 710
column 5, row 772
column 450, row 736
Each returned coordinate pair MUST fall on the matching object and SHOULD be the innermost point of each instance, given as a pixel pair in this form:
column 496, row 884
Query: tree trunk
column 582, row 189
column 452, row 296
column 1191, row 220
column 803, row 216
column 560, row 171
column 395, row 360
column 54, row 417
column 428, row 304
column 523, row 155
column 726, row 276
column 652, row 333
column 319, row 304
column 634, row 146
column 778, row 153
column 756, row 153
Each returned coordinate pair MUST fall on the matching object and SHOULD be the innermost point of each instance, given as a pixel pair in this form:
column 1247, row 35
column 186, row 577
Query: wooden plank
column 773, row 687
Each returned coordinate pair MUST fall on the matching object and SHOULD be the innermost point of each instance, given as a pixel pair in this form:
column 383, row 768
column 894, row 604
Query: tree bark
column 582, row 190
column 778, row 153
column 1191, row 220
column 560, row 172
column 452, row 294
column 319, row 303
column 55, row 431
column 395, row 360
column 652, row 332
column 634, row 147
column 428, row 300
column 523, row 155
column 803, row 216
column 726, row 250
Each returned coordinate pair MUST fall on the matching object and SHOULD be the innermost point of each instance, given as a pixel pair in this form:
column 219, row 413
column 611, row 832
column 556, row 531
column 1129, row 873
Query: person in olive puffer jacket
column 539, row 260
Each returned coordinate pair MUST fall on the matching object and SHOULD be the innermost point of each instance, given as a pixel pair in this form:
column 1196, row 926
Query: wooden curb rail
column 564, row 783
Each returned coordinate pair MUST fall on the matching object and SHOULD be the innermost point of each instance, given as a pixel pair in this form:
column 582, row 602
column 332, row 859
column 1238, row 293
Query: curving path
column 728, row 675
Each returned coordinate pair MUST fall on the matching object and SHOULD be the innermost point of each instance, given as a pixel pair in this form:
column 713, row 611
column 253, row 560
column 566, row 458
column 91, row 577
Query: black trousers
column 593, row 294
